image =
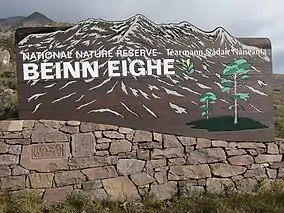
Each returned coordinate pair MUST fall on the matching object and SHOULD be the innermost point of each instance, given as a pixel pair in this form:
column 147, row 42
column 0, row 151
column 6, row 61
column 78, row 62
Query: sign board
column 168, row 78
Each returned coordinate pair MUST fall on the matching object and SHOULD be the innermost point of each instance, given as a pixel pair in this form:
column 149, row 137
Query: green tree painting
column 207, row 99
column 234, row 75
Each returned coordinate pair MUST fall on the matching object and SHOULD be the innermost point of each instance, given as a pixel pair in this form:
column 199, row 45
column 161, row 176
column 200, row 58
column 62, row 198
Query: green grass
column 264, row 201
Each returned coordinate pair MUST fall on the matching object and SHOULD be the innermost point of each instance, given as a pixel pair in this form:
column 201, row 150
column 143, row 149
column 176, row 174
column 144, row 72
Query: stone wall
column 57, row 158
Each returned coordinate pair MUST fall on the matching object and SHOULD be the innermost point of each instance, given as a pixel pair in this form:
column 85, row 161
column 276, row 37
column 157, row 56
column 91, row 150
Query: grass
column 263, row 201
column 226, row 123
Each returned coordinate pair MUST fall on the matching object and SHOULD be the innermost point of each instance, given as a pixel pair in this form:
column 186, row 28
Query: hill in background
column 35, row 19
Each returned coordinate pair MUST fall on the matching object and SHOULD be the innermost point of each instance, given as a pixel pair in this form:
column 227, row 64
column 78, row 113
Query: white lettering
column 68, row 68
column 112, row 66
column 30, row 72
column 140, row 69
column 169, row 64
column 87, row 68
column 45, row 70
column 58, row 70
column 124, row 68
column 151, row 67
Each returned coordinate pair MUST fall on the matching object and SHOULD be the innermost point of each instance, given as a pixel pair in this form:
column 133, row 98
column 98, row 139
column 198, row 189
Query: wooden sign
column 168, row 78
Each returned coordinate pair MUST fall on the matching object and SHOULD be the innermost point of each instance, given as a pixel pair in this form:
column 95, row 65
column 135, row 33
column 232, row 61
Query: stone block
column 158, row 163
column 98, row 134
column 92, row 185
column 51, row 124
column 13, row 183
column 102, row 153
column 15, row 149
column 171, row 141
column 241, row 160
column 158, row 137
column 4, row 171
column 113, row 135
column 104, row 127
column 69, row 178
column 19, row 141
column 43, row 134
column 100, row 173
column 219, row 185
column 70, row 129
column 29, row 124
column 189, row 172
column 87, row 127
column 143, row 154
column 187, row 141
column 246, row 185
column 251, row 145
column 150, row 145
column 73, row 123
column 161, row 177
column 83, row 144
column 45, row 157
column 226, row 170
column 103, row 140
column 57, row 195
column 203, row 143
column 120, row 188
column 176, row 161
column 277, row 165
column 234, row 152
column 168, row 153
column 223, row 144
column 129, row 166
column 118, row 146
column 140, row 179
column 8, row 159
column 4, row 148
column 164, row 191
column 124, row 130
column 258, row 173
column 91, row 161
column 41, row 180
column 271, row 173
column 272, row 148
column 11, row 126
column 102, row 146
column 262, row 158
column 142, row 136
column 18, row 170
column 207, row 155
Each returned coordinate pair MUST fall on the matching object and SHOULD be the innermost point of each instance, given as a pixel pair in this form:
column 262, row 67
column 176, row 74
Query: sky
column 241, row 18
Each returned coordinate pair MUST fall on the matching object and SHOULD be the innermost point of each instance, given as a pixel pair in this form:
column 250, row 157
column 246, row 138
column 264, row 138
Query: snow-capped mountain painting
column 217, row 86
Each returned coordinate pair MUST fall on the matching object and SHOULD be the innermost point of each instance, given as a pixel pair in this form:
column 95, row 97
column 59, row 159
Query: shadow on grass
column 226, row 123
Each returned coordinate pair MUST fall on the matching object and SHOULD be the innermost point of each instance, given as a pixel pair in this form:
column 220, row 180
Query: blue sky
column 242, row 18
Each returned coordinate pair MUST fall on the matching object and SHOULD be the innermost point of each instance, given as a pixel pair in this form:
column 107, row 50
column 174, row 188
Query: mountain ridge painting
column 168, row 78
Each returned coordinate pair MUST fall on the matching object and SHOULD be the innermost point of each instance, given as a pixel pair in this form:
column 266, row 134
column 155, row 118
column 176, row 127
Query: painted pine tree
column 234, row 75
column 207, row 99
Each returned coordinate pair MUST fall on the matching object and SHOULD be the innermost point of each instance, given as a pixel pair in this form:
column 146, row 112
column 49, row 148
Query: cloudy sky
column 244, row 18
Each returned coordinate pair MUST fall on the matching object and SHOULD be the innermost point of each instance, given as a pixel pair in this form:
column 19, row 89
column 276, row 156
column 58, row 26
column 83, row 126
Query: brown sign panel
column 169, row 78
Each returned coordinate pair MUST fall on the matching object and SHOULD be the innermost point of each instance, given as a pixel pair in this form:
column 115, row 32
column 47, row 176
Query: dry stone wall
column 58, row 158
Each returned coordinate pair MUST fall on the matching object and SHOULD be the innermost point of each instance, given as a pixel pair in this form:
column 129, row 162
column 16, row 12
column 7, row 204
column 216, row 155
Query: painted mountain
column 221, row 96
